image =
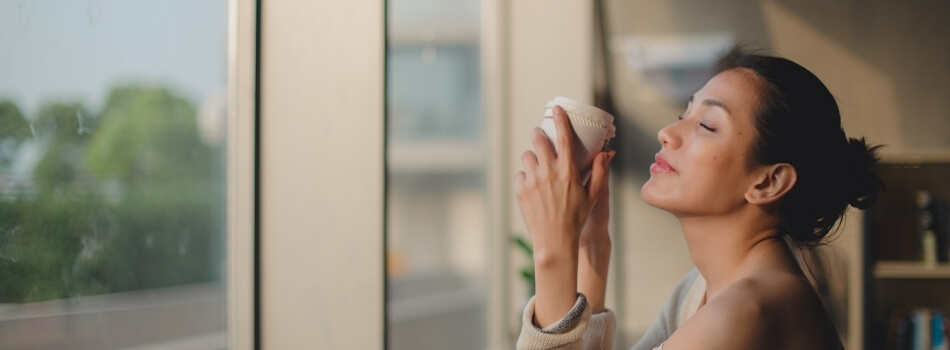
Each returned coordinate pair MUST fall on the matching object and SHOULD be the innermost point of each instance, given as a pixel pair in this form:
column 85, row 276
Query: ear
column 772, row 183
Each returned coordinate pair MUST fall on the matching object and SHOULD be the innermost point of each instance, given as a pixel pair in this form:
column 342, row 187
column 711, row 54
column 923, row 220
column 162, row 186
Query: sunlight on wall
column 866, row 96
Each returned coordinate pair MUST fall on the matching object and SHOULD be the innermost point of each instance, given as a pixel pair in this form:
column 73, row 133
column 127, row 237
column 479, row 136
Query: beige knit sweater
column 579, row 330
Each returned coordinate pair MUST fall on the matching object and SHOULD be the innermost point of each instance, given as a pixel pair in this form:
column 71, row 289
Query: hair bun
column 864, row 185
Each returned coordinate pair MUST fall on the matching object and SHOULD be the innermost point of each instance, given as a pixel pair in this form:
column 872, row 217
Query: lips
column 661, row 166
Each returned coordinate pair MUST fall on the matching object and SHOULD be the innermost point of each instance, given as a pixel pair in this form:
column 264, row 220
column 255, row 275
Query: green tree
column 169, row 207
column 41, row 234
column 14, row 129
column 149, row 136
column 62, row 129
column 125, row 200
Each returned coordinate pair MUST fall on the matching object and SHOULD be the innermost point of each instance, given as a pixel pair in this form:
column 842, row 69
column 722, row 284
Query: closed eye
column 707, row 127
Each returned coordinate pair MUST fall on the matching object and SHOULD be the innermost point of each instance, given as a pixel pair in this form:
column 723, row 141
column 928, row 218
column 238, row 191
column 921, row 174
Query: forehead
column 735, row 88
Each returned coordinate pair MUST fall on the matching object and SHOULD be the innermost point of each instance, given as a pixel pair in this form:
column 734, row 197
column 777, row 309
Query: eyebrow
column 713, row 103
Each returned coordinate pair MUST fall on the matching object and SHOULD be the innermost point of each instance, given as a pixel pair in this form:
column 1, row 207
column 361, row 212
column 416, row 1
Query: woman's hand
column 555, row 207
column 595, row 228
column 594, row 245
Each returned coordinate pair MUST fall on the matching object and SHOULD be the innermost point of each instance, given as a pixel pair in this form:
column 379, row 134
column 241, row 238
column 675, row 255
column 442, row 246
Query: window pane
column 112, row 174
column 437, row 244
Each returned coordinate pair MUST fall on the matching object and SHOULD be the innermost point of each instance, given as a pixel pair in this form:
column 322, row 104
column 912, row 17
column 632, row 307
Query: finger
column 594, row 172
column 542, row 147
column 605, row 191
column 599, row 177
column 520, row 178
column 530, row 162
column 565, row 135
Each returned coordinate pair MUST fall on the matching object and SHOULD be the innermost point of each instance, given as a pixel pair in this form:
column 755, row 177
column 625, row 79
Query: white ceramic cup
column 593, row 127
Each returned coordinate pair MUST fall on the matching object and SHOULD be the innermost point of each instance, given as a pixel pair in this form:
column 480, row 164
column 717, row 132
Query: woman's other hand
column 595, row 228
column 594, row 246
column 555, row 207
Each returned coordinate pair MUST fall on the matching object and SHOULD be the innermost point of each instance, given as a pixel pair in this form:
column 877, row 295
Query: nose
column 666, row 136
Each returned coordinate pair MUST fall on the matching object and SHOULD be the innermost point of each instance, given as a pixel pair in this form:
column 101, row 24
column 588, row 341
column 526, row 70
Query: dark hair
column 797, row 122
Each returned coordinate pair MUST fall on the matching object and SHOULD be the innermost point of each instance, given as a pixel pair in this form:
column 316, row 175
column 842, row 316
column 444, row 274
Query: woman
column 759, row 157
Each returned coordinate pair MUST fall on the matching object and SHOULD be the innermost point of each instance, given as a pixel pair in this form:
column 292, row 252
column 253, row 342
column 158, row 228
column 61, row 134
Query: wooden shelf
column 914, row 157
column 910, row 270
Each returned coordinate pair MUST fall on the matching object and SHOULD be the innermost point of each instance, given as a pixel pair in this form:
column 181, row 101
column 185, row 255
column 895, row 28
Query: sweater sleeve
column 578, row 330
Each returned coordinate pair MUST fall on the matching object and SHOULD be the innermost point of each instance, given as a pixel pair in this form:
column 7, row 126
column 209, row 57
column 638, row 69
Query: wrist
column 556, row 258
column 595, row 256
column 555, row 251
column 593, row 265
column 595, row 239
column 555, row 285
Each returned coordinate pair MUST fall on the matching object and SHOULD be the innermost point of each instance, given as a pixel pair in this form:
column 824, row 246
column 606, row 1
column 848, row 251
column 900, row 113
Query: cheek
column 711, row 161
column 720, row 174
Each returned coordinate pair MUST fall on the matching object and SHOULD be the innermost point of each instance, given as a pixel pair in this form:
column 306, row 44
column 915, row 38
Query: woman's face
column 701, row 168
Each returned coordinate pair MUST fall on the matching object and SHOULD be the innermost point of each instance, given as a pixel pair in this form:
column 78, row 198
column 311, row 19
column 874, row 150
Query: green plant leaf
column 528, row 273
column 523, row 244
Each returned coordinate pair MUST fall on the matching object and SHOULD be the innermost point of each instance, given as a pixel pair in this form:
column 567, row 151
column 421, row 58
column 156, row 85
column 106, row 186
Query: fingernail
column 558, row 109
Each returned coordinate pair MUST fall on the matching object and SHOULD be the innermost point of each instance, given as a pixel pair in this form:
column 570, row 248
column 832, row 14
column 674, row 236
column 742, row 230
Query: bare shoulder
column 774, row 311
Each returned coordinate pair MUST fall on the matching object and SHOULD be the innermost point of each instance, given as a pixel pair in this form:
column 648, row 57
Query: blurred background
column 119, row 123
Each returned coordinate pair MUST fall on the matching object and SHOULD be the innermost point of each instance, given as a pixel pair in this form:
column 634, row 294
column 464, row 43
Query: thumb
column 599, row 173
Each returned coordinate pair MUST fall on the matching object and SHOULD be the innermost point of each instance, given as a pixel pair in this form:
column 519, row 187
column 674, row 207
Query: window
column 437, row 234
column 113, row 174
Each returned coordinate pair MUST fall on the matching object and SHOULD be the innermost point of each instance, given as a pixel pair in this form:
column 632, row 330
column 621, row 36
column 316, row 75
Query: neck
column 724, row 247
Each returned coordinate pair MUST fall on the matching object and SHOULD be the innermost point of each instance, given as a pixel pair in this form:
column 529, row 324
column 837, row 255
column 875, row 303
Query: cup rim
column 585, row 110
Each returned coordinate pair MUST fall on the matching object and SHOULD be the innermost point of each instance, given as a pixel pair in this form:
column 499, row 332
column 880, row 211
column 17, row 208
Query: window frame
column 321, row 175
column 242, row 174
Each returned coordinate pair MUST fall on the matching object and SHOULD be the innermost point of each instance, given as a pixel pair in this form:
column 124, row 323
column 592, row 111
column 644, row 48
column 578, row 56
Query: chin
column 662, row 198
column 649, row 195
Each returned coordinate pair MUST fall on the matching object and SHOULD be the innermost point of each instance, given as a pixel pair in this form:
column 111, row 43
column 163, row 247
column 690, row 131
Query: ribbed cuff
column 600, row 330
column 566, row 333
column 566, row 322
